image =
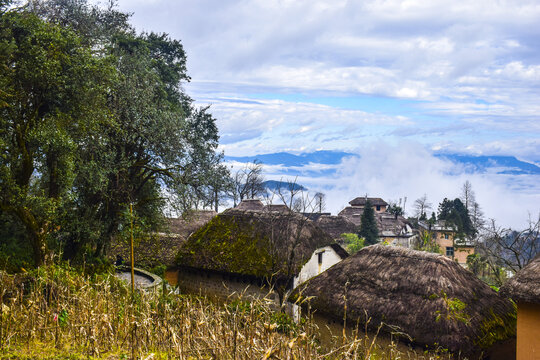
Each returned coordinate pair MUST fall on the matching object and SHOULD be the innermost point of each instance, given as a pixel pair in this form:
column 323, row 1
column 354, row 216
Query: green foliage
column 284, row 323
column 427, row 243
column 455, row 309
column 368, row 225
column 353, row 243
column 455, row 213
column 82, row 137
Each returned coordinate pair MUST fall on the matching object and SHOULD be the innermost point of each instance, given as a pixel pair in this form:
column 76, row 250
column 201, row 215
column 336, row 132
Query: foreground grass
column 58, row 313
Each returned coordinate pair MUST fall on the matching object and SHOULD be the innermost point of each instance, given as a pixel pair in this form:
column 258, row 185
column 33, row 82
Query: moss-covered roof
column 428, row 296
column 257, row 243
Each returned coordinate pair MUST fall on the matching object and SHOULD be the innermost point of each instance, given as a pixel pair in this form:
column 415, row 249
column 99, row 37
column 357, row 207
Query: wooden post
column 131, row 244
column 132, row 280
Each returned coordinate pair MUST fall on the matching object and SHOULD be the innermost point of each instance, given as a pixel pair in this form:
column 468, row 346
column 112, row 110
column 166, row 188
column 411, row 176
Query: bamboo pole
column 131, row 245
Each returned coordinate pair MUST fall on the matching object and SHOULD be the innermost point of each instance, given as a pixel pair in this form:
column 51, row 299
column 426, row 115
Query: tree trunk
column 36, row 233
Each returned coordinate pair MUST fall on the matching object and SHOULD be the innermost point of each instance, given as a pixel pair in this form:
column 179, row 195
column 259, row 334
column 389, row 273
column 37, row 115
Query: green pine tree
column 368, row 226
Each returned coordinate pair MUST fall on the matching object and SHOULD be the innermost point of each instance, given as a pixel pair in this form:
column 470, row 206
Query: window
column 446, row 236
column 449, row 251
column 320, row 257
column 378, row 207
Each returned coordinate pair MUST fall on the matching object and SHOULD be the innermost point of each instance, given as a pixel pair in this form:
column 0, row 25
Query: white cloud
column 408, row 170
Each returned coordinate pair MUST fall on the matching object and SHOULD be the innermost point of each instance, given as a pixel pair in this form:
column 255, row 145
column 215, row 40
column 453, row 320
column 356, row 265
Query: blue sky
column 383, row 79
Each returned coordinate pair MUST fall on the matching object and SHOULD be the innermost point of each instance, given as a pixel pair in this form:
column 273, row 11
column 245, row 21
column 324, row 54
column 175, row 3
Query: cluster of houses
column 270, row 252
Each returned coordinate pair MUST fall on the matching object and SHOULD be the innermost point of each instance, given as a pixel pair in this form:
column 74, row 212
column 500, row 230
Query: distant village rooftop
column 361, row 201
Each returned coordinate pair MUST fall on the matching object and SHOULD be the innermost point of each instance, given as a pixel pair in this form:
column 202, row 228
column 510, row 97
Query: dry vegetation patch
column 57, row 313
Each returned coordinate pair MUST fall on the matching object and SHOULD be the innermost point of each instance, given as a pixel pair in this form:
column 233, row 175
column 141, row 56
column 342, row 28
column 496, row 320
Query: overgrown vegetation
column 352, row 242
column 93, row 118
column 58, row 312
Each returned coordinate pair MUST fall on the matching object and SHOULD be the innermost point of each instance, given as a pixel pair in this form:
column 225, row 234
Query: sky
column 392, row 81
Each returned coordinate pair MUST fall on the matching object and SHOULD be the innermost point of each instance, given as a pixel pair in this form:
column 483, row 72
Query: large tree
column 455, row 213
column 94, row 118
column 53, row 94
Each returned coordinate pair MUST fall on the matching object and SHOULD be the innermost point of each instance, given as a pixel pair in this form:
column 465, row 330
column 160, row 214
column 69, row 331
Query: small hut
column 427, row 296
column 524, row 289
column 253, row 250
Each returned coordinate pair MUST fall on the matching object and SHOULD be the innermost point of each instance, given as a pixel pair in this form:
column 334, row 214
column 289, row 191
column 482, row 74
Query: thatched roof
column 353, row 214
column 250, row 204
column 162, row 247
column 391, row 225
column 276, row 208
column 525, row 285
column 253, row 243
column 336, row 225
column 430, row 297
column 361, row 201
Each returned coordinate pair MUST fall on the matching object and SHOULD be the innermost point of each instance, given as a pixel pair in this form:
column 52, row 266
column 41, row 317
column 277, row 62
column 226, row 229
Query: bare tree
column 507, row 249
column 467, row 195
column 289, row 229
column 421, row 206
column 320, row 202
column 476, row 214
column 248, row 182
column 477, row 217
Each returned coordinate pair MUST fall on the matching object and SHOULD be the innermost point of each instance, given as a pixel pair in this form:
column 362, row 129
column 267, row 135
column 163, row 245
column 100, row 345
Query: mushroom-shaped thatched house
column 524, row 289
column 252, row 251
column 428, row 296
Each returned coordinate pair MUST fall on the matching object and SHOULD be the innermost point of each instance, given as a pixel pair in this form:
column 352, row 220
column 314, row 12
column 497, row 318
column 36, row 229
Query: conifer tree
column 368, row 226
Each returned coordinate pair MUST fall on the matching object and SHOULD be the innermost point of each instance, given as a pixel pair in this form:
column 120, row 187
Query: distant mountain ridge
column 509, row 165
column 498, row 164
column 285, row 185
column 326, row 157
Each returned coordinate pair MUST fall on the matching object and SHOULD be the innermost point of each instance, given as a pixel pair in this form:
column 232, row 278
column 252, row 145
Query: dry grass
column 57, row 313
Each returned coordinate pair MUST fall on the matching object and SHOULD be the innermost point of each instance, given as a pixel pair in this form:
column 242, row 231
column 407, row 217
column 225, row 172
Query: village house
column 524, row 289
column 254, row 251
column 160, row 248
column 426, row 296
column 445, row 236
column 393, row 229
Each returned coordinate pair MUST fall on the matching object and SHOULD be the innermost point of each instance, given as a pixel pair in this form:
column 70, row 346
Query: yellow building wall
column 442, row 242
column 461, row 253
column 528, row 331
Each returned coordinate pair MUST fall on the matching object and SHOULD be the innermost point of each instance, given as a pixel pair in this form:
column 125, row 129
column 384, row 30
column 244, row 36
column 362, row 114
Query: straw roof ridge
column 361, row 201
column 428, row 296
column 525, row 285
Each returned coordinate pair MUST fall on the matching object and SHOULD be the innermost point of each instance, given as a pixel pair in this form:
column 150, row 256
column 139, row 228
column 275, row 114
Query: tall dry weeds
column 56, row 312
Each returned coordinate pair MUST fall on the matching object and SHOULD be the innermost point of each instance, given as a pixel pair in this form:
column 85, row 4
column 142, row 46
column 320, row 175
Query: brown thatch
column 361, row 201
column 250, row 204
column 525, row 285
column 352, row 214
column 391, row 225
column 277, row 208
column 429, row 297
column 336, row 225
column 257, row 243
column 162, row 247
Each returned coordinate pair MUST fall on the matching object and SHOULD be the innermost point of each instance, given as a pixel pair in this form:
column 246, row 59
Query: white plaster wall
column 312, row 268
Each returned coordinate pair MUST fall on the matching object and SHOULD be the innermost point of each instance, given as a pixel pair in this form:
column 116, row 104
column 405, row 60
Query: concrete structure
column 320, row 261
column 524, row 289
column 445, row 236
